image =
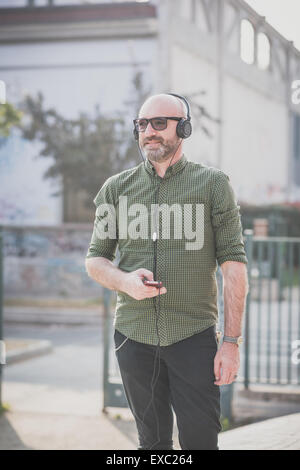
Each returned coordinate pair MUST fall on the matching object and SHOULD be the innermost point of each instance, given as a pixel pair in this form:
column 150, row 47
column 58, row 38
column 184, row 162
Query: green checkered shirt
column 190, row 304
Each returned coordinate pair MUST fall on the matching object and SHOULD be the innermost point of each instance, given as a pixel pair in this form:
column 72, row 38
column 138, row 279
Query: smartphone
column 153, row 283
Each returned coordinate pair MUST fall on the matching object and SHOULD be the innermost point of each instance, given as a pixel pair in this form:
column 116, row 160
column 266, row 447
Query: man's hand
column 133, row 285
column 226, row 363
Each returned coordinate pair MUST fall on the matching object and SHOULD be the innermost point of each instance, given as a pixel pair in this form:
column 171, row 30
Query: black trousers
column 183, row 380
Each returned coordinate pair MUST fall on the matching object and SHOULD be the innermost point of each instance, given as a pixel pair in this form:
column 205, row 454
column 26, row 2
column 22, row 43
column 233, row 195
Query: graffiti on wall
column 47, row 262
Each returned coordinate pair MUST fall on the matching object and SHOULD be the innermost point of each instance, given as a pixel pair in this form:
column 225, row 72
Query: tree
column 9, row 118
column 85, row 151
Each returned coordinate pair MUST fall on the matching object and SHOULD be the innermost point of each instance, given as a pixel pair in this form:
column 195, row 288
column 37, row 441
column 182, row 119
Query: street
column 75, row 364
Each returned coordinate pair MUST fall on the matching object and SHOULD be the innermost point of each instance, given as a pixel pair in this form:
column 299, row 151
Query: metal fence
column 272, row 320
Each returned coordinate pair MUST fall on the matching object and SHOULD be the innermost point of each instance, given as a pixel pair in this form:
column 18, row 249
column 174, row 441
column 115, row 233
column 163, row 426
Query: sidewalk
column 20, row 350
column 41, row 431
column 45, row 416
column 27, row 430
column 55, row 405
column 281, row 433
column 50, row 315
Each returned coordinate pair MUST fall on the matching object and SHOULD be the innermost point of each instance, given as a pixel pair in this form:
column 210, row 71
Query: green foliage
column 85, row 151
column 289, row 276
column 283, row 219
column 9, row 117
column 4, row 407
column 225, row 423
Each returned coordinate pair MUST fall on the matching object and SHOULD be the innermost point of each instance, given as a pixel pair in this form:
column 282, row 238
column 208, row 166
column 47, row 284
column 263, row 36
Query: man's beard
column 162, row 152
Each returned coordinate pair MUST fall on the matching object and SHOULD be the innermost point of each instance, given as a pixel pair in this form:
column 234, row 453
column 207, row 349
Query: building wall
column 76, row 75
column 47, row 262
column 255, row 129
column 253, row 143
column 25, row 197
column 191, row 74
column 74, row 72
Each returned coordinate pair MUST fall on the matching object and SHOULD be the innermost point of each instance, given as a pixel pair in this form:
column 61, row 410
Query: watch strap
column 233, row 339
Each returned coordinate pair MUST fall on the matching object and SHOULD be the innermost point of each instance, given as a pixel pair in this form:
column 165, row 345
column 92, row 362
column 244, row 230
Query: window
column 263, row 51
column 247, row 42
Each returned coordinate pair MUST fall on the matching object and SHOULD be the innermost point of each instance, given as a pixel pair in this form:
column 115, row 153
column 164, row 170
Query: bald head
column 163, row 105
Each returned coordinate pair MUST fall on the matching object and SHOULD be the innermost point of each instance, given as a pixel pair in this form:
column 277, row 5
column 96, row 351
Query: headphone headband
column 185, row 102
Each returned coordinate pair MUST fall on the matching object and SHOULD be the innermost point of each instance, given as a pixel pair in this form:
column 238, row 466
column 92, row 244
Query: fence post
column 106, row 345
column 1, row 311
column 249, row 252
column 226, row 391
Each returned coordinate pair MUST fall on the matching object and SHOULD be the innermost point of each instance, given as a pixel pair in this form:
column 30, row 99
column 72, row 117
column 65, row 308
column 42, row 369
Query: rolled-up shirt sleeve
column 104, row 239
column 226, row 222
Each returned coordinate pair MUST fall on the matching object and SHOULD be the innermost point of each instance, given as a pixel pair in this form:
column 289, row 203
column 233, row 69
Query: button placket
column 161, row 261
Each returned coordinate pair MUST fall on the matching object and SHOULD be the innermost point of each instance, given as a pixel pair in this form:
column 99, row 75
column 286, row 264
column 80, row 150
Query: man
column 175, row 323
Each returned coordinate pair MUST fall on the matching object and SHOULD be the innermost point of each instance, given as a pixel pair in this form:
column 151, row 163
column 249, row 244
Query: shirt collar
column 171, row 170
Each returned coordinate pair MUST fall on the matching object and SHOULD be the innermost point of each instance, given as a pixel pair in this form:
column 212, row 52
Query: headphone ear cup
column 187, row 128
column 184, row 128
column 179, row 129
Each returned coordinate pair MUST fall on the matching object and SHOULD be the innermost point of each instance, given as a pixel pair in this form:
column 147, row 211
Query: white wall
column 73, row 76
column 191, row 74
column 256, row 147
column 76, row 75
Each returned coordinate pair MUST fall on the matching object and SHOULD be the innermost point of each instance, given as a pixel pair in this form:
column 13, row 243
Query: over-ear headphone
column 184, row 126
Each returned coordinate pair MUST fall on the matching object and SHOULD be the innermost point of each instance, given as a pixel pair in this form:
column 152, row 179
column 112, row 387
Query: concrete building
column 219, row 53
column 247, row 70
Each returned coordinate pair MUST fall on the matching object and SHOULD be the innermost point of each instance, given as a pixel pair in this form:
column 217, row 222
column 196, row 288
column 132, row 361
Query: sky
column 283, row 15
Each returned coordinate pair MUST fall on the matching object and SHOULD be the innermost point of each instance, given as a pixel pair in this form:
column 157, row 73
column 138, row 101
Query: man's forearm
column 105, row 272
column 235, row 281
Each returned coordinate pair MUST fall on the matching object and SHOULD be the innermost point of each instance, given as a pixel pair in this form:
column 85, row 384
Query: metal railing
column 272, row 323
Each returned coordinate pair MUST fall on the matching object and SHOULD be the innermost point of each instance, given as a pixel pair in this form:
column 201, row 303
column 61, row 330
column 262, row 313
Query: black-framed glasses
column 158, row 123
